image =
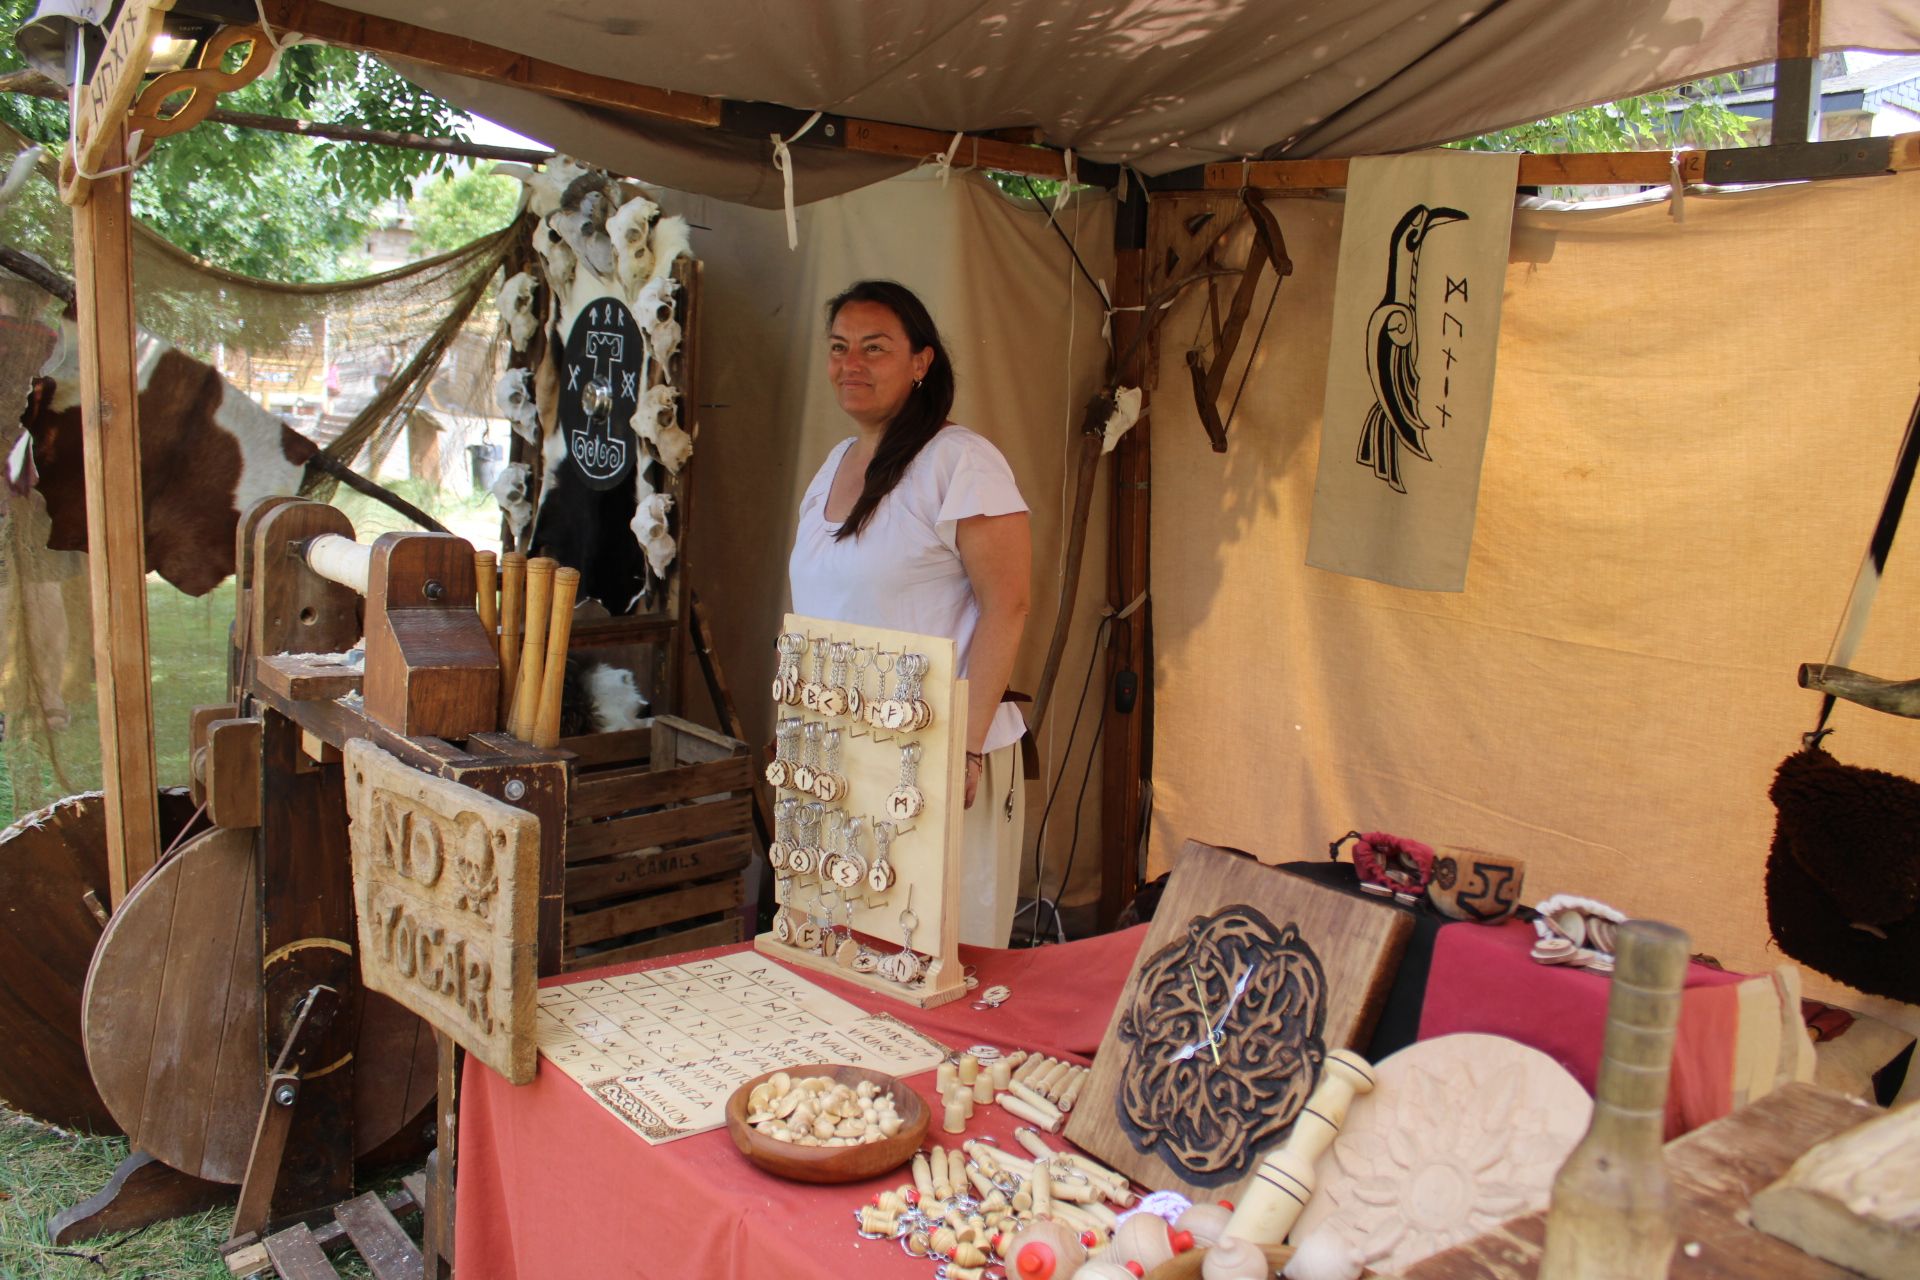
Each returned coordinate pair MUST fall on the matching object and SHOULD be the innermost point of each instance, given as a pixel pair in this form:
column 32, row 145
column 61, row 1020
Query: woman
column 916, row 524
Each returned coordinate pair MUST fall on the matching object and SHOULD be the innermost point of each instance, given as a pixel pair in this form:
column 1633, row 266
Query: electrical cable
column 1040, row 835
column 1062, row 233
column 1079, row 805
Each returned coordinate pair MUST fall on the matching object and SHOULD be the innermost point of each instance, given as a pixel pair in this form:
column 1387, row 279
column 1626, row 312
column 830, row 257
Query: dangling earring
column 916, row 384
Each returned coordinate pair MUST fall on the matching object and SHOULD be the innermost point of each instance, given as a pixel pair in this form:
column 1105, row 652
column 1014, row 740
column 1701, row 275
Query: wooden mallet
column 546, row 721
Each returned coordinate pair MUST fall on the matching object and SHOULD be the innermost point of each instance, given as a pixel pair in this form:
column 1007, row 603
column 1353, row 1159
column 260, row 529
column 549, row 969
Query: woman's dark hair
column 926, row 409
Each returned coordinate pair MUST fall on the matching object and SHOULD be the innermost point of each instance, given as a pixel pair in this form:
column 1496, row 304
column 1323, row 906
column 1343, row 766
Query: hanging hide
column 207, row 453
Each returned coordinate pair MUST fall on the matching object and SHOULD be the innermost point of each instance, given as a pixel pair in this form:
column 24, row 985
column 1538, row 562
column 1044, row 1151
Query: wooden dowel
column 533, row 648
column 513, row 619
column 546, row 721
column 486, row 598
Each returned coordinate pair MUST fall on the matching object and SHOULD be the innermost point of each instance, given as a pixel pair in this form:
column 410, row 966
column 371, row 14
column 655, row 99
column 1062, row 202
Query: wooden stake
column 533, row 648
column 486, row 599
column 513, row 620
column 546, row 721
column 116, row 533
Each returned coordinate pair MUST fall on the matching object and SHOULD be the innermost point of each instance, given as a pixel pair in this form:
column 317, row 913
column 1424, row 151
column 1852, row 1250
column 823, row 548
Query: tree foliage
column 449, row 212
column 270, row 204
column 1691, row 115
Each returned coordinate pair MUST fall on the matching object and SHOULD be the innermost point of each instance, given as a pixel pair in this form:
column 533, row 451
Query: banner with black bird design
column 1416, row 324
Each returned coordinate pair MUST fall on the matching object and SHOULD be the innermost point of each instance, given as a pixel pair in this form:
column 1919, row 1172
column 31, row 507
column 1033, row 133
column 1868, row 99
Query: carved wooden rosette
column 446, row 890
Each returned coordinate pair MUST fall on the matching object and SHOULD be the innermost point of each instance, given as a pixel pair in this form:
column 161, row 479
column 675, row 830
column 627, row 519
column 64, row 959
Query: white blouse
column 903, row 571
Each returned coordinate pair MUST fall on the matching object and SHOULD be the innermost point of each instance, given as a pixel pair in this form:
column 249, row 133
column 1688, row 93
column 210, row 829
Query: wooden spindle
column 486, row 598
column 546, row 720
column 533, row 648
column 513, row 620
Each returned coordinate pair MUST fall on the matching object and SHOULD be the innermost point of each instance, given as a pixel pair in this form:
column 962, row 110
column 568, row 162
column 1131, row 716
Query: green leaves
column 450, row 212
column 1688, row 116
column 265, row 204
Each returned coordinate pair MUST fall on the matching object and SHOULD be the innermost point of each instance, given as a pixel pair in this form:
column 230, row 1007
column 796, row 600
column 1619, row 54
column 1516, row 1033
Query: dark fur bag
column 1843, row 877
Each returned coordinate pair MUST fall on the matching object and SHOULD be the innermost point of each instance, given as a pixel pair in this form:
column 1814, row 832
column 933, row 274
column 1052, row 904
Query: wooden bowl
column 830, row 1164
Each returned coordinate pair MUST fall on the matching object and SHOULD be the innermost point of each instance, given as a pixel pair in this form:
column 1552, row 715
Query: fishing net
column 392, row 373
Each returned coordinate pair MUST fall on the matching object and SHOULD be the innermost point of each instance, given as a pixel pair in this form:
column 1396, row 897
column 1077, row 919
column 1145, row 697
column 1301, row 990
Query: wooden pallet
column 366, row 1224
column 660, row 837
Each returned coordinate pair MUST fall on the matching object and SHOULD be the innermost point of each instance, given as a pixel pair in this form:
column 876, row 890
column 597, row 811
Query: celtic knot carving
column 1212, row 1119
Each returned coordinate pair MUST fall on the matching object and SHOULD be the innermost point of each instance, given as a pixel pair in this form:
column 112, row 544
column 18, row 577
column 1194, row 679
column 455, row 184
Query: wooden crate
column 660, row 839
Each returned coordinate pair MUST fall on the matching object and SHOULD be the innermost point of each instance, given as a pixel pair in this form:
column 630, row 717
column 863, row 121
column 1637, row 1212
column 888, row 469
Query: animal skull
column 558, row 255
column 650, row 528
column 510, row 491
column 514, row 394
column 546, row 188
column 663, row 338
column 631, row 229
column 585, row 231
column 516, row 308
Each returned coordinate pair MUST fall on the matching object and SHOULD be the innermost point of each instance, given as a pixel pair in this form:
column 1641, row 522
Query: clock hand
column 1239, row 989
column 1212, row 1040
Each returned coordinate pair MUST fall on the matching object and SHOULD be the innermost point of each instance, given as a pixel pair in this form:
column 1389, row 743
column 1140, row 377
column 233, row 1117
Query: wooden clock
column 1248, row 977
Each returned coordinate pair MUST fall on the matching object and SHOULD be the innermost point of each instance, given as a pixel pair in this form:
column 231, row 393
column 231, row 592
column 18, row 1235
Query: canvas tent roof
column 1156, row 84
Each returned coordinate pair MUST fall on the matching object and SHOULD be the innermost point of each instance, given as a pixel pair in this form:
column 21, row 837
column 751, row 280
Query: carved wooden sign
column 446, row 883
column 105, row 98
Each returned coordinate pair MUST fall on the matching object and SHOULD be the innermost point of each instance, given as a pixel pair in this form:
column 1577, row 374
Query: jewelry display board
column 1248, row 977
column 663, row 1049
column 869, row 768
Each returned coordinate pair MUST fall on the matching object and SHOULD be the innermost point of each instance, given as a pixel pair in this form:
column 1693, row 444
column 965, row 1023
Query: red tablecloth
column 553, row 1187
column 1483, row 980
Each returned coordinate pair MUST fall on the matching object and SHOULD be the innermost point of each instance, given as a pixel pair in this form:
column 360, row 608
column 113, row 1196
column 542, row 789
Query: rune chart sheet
column 664, row 1049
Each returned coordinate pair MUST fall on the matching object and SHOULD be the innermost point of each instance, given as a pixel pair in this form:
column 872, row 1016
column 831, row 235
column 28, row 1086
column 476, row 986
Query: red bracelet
column 1389, row 864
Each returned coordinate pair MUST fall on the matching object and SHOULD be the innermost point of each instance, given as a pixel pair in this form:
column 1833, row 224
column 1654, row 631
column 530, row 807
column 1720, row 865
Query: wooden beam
column 874, row 138
column 1124, row 762
column 116, row 534
column 1799, row 29
column 1796, row 73
column 368, row 34
column 34, row 85
column 1852, row 157
column 1572, row 170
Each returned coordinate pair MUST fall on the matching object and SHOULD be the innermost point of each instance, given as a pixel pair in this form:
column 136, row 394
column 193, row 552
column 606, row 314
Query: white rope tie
column 1067, row 185
column 1677, row 205
column 945, row 160
column 279, row 44
column 783, row 161
column 134, row 159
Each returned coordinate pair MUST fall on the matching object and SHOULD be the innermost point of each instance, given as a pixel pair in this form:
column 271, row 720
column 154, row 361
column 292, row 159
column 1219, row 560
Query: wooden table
column 1716, row 1171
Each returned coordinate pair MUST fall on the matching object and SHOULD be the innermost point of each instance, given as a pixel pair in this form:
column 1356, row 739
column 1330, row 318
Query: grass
column 187, row 642
column 43, row 1171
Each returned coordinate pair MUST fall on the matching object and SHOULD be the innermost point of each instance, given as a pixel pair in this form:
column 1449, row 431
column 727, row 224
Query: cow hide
column 207, row 453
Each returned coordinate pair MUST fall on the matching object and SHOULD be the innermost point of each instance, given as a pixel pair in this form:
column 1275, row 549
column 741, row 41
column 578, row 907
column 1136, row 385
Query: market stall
column 1362, row 1080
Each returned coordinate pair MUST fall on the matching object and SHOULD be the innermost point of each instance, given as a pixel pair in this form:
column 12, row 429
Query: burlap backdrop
column 1693, row 427
column 1025, row 335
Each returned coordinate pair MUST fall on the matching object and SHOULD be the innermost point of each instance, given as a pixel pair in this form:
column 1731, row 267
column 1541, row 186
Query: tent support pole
column 116, row 534
column 1128, row 744
column 1796, row 73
